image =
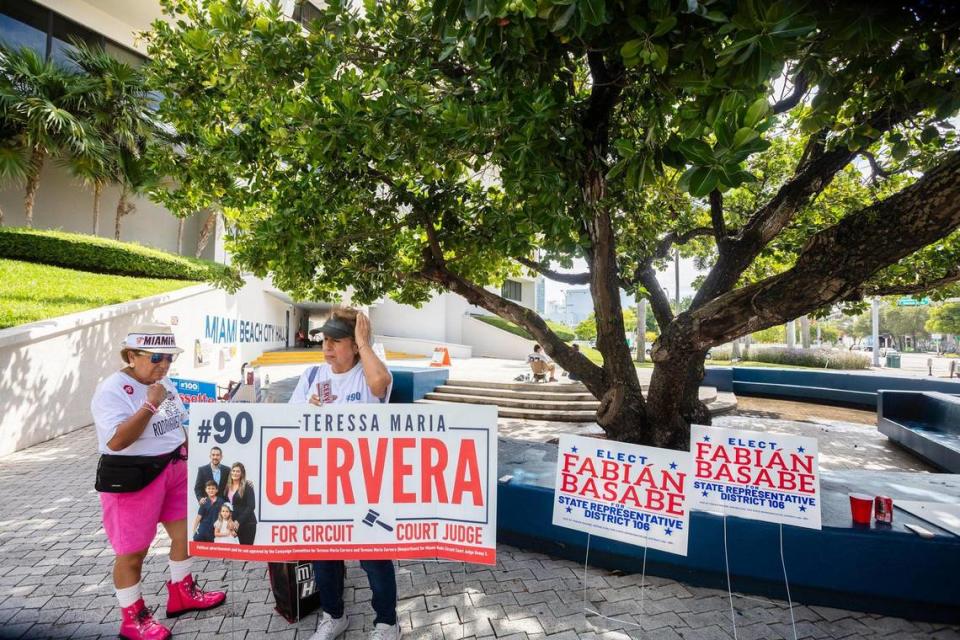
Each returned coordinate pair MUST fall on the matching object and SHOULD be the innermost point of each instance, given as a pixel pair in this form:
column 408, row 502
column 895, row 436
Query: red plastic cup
column 861, row 508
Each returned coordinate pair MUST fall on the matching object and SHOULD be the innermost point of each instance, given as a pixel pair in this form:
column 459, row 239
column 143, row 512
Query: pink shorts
column 131, row 519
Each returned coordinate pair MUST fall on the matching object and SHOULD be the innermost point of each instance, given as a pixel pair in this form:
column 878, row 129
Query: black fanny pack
column 126, row 474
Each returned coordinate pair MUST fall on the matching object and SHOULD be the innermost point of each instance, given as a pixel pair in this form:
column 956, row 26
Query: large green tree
column 412, row 147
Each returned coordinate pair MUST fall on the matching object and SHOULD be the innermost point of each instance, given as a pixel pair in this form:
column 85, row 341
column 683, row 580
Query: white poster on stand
column 772, row 477
column 625, row 492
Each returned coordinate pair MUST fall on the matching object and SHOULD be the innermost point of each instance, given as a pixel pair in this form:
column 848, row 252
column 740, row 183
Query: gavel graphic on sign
column 371, row 518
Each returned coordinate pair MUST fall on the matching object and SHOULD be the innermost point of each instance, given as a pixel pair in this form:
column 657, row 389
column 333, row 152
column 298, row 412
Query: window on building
column 24, row 23
column 512, row 290
column 304, row 13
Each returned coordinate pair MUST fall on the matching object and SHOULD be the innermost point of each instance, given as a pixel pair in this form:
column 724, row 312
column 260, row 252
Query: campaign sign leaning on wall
column 359, row 481
column 624, row 492
column 757, row 475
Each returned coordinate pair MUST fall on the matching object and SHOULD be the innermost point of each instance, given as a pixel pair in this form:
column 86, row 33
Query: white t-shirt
column 119, row 397
column 347, row 387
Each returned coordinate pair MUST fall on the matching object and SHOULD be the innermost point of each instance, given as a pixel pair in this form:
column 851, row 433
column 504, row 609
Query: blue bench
column 414, row 383
column 928, row 424
column 839, row 387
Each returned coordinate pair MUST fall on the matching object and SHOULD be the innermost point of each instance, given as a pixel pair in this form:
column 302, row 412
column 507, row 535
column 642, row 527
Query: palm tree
column 118, row 105
column 40, row 101
column 13, row 162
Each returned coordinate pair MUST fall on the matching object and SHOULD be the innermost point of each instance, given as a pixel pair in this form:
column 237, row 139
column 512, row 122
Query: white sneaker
column 330, row 628
column 386, row 632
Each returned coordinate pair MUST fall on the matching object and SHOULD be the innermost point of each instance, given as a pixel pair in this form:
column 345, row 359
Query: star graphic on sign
column 574, row 449
column 704, row 494
column 673, row 465
column 800, row 450
column 668, row 531
column 802, row 508
column 569, row 510
column 706, row 438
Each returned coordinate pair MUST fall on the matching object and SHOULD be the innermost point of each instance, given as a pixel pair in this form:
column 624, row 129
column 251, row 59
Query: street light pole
column 875, row 330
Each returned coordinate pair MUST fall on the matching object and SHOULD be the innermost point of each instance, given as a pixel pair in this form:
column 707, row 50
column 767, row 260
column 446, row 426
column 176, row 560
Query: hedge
column 101, row 255
column 820, row 358
column 563, row 332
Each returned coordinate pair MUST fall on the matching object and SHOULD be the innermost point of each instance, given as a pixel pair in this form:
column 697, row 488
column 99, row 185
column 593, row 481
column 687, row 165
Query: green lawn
column 595, row 356
column 31, row 292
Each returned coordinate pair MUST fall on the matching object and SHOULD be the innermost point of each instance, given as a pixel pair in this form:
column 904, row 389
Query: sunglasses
column 157, row 358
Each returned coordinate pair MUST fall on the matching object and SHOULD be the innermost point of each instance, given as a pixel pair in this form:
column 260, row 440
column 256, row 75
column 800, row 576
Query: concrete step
column 540, row 387
column 510, row 394
column 552, row 415
column 512, row 403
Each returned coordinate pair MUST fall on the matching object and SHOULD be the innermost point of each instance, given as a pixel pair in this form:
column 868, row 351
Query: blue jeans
column 383, row 582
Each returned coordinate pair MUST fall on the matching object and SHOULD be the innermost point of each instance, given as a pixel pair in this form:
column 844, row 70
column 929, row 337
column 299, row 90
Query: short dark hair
column 217, row 448
column 211, row 483
column 536, row 347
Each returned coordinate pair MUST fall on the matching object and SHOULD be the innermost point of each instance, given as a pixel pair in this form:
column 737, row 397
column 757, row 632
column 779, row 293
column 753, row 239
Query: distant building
column 541, row 290
column 577, row 306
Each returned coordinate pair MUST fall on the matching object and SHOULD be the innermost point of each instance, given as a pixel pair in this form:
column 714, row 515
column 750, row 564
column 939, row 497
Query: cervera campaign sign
column 347, row 481
column 761, row 476
column 625, row 492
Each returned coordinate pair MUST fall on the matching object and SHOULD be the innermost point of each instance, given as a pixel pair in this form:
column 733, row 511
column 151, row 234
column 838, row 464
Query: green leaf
column 665, row 26
column 744, row 136
column 563, row 18
column 715, row 16
column 631, row 48
column 756, row 112
column 696, row 151
column 900, row 150
column 594, row 12
column 929, row 134
column 702, row 181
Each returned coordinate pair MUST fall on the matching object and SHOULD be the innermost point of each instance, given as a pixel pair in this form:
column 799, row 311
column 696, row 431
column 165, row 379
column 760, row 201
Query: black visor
column 336, row 329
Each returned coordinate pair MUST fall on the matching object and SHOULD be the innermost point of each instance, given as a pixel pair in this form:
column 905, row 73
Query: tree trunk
column 735, row 349
column 669, row 395
column 791, row 334
column 180, row 222
column 208, row 227
column 124, row 207
column 37, row 158
column 97, row 193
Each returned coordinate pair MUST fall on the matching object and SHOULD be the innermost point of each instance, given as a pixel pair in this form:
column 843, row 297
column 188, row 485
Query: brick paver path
column 55, row 583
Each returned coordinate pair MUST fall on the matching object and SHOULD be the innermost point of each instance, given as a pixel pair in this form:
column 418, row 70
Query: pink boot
column 186, row 596
column 138, row 624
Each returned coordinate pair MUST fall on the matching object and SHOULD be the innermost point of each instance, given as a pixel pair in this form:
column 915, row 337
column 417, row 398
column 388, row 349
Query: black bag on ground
column 294, row 588
column 126, row 474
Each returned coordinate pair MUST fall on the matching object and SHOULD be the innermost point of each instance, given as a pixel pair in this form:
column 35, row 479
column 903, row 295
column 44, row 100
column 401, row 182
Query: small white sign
column 624, row 492
column 756, row 475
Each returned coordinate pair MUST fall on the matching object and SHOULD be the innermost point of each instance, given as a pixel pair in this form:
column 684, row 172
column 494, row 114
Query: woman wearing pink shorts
column 142, row 477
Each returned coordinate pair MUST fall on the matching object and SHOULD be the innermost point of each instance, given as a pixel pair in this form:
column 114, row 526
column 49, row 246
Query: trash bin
column 893, row 361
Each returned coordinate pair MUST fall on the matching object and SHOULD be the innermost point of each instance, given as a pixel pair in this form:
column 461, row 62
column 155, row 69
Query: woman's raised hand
column 156, row 394
column 362, row 333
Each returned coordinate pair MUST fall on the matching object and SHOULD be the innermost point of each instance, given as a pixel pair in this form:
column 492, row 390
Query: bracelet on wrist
column 149, row 406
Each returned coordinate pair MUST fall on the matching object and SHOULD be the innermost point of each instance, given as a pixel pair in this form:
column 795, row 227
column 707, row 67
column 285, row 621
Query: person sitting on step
column 541, row 365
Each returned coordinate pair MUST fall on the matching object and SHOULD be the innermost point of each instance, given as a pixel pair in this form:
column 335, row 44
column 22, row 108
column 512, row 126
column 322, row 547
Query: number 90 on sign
column 240, row 426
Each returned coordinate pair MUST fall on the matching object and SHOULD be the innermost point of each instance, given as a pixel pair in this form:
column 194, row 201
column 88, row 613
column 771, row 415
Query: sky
column 687, row 274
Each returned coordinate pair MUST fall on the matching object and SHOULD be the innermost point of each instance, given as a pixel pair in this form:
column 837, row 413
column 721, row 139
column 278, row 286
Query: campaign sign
column 757, row 475
column 346, row 481
column 624, row 492
column 195, row 391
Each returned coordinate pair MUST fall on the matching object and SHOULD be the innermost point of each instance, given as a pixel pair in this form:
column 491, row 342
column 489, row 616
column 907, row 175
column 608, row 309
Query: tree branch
column 800, row 85
column 953, row 275
column 567, row 278
column 834, row 263
column 876, row 170
column 659, row 303
column 716, row 216
column 594, row 377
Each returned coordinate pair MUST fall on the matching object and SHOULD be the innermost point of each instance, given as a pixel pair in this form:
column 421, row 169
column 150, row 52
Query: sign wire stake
column 786, row 582
column 726, row 560
column 587, row 609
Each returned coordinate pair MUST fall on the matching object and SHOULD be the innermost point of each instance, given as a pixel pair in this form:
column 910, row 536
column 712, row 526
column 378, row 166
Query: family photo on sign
column 227, row 503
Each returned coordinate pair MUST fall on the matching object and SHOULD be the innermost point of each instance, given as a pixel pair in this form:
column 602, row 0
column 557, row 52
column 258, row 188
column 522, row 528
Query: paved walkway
column 55, row 583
